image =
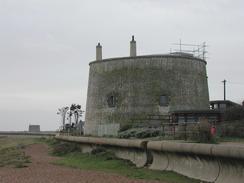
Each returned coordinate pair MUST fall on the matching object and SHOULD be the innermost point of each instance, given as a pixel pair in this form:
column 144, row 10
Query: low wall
column 28, row 133
column 133, row 150
column 207, row 162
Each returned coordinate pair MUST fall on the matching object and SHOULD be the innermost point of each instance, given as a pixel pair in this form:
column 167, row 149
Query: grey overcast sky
column 46, row 45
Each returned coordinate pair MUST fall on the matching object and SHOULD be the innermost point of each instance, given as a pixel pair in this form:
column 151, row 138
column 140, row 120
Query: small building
column 222, row 105
column 34, row 128
column 193, row 116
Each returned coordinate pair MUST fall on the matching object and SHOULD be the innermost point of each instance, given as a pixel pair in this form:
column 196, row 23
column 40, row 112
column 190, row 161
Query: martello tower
column 135, row 87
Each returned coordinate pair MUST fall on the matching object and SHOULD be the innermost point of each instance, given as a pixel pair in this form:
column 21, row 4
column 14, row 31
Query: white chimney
column 133, row 47
column 98, row 52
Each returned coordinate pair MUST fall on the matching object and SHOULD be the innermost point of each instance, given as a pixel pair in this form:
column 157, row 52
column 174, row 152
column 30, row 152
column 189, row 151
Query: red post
column 213, row 130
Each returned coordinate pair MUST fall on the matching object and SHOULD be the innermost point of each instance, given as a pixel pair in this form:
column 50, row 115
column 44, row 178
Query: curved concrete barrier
column 228, row 151
column 176, row 147
column 86, row 148
column 132, row 150
column 190, row 166
column 225, row 151
column 160, row 161
column 141, row 144
column 136, row 156
column 207, row 162
column 232, row 172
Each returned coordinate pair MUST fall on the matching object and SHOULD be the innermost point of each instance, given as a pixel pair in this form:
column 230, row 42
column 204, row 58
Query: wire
column 236, row 83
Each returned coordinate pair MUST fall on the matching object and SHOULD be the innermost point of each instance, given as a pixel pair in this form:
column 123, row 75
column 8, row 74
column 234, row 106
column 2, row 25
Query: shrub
column 201, row 132
column 140, row 133
column 98, row 150
column 204, row 131
column 125, row 127
column 234, row 113
column 233, row 129
column 62, row 148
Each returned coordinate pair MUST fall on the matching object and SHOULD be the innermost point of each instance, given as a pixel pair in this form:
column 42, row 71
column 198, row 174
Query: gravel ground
column 41, row 171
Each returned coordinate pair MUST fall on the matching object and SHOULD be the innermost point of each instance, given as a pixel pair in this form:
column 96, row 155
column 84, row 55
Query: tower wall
column 123, row 89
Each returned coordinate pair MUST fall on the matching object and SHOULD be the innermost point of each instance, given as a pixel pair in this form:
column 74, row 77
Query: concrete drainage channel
column 206, row 162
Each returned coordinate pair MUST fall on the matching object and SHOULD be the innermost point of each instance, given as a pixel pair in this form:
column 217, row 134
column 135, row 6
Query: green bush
column 61, row 148
column 125, row 127
column 231, row 129
column 234, row 113
column 13, row 156
column 201, row 132
column 204, row 131
column 98, row 150
column 140, row 133
column 233, row 125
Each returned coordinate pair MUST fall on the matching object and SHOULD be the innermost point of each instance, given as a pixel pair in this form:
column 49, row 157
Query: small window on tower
column 111, row 101
column 164, row 100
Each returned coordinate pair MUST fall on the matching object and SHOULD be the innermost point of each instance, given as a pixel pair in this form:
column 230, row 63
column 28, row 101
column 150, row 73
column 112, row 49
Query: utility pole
column 180, row 46
column 224, row 89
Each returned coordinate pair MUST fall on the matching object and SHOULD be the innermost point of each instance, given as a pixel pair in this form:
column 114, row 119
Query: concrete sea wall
column 206, row 162
column 23, row 133
column 133, row 150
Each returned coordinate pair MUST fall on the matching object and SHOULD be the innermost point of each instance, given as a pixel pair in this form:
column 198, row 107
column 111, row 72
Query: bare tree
column 63, row 111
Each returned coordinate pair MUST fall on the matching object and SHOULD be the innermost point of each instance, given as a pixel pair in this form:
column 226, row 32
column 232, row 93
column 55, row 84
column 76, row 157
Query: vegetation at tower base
column 234, row 113
column 233, row 125
column 201, row 133
column 140, row 133
column 198, row 132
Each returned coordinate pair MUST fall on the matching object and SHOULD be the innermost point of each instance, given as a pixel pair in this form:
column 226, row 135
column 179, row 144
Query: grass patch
column 107, row 162
column 13, row 141
column 11, row 151
column 14, row 157
column 231, row 139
